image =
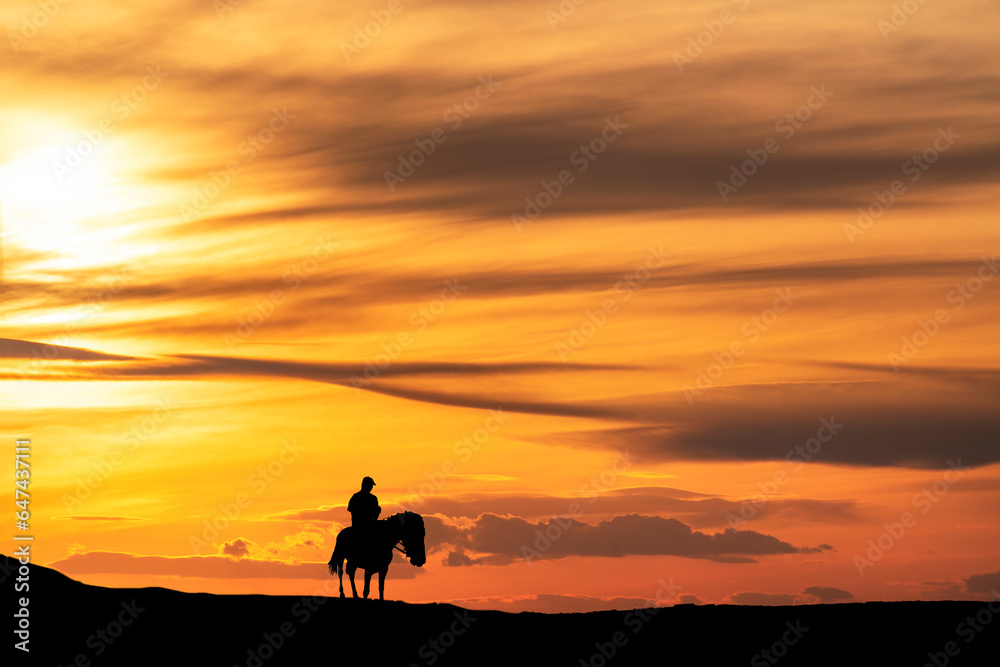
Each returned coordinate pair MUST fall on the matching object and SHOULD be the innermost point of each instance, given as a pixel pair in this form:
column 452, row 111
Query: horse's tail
column 336, row 563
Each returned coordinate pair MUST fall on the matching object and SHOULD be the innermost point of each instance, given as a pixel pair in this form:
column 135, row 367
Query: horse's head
column 412, row 536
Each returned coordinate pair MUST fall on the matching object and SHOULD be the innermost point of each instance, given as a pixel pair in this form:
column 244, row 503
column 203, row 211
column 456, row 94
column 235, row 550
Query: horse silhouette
column 373, row 552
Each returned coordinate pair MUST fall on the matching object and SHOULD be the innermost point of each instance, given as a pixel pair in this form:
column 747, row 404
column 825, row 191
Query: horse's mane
column 403, row 517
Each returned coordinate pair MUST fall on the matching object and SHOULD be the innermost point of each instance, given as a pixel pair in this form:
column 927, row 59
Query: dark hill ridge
column 77, row 624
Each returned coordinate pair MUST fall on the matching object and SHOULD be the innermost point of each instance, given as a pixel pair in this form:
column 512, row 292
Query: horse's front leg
column 351, row 569
column 368, row 582
column 381, row 583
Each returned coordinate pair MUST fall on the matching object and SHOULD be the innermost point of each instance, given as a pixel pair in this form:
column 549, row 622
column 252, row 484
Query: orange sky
column 702, row 291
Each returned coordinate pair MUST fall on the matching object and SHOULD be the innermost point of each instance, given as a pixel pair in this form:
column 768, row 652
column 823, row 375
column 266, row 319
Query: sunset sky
column 613, row 294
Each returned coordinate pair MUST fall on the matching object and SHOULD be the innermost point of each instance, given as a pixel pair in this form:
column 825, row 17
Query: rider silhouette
column 364, row 509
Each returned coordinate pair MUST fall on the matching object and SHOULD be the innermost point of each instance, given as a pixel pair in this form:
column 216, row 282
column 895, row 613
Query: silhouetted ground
column 77, row 624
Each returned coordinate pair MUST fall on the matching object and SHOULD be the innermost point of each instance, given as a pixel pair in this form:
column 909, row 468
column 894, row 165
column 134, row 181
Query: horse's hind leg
column 340, row 572
column 368, row 582
column 381, row 583
column 351, row 569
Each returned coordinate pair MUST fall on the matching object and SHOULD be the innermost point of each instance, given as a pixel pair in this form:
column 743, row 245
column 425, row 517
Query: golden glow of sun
column 70, row 201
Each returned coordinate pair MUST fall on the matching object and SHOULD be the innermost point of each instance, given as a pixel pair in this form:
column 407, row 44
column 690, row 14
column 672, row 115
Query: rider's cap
column 368, row 480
